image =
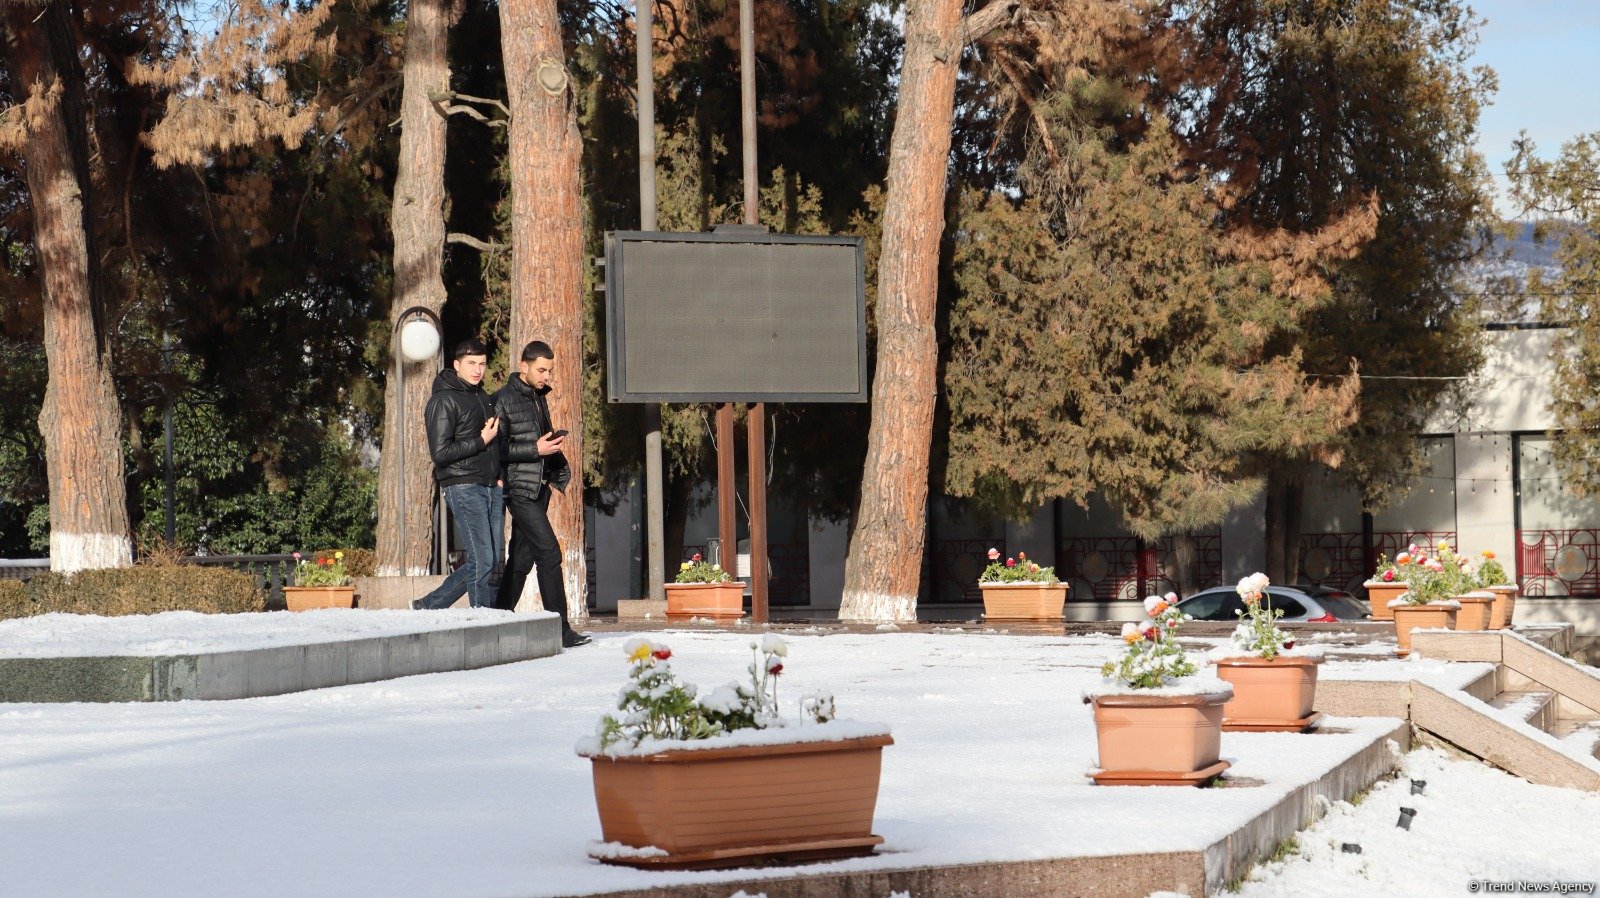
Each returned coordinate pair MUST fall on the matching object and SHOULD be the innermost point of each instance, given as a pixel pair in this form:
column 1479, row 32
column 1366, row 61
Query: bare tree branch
column 475, row 243
column 978, row 25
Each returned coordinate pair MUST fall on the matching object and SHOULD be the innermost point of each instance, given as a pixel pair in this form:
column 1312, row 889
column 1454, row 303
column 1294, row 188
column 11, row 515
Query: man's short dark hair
column 537, row 349
column 468, row 347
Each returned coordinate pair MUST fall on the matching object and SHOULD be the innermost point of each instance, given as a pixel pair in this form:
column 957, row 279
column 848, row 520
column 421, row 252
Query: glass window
column 1291, row 608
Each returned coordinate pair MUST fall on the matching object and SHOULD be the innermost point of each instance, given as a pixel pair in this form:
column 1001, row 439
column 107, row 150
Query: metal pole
column 756, row 422
column 172, row 503
column 747, row 102
column 399, row 440
column 655, row 484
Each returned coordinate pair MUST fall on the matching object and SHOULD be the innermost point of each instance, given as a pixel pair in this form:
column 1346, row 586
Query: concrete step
column 1580, row 734
column 1506, row 735
column 1536, row 709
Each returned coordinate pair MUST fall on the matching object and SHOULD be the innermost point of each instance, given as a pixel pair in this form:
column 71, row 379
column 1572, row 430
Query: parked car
column 1316, row 604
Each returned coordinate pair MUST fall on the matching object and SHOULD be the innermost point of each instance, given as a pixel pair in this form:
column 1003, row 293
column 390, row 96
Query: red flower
column 696, row 557
column 1388, row 576
column 1011, row 562
column 661, row 654
column 1153, row 634
column 1288, row 643
column 775, row 668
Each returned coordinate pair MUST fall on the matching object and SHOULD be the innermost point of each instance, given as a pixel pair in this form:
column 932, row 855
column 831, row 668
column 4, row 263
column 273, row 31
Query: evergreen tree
column 1566, row 192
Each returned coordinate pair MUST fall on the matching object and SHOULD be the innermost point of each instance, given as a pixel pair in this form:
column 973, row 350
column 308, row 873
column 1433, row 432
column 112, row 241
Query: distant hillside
column 1504, row 270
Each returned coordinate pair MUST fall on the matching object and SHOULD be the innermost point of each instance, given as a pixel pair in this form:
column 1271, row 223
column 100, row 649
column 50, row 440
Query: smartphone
column 556, row 435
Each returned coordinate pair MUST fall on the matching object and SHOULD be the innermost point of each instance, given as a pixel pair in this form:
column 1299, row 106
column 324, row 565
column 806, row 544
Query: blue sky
column 1547, row 54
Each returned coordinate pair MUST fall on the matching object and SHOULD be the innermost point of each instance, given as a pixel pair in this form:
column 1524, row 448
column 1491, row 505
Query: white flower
column 1171, row 597
column 1151, row 603
column 772, row 645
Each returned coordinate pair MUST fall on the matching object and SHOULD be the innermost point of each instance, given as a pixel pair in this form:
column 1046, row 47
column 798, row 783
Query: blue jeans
column 478, row 514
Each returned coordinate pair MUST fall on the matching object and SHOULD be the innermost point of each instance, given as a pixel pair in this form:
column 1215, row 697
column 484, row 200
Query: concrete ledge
column 1109, row 876
column 276, row 670
column 1231, row 858
column 654, row 609
column 1106, row 876
column 1531, row 655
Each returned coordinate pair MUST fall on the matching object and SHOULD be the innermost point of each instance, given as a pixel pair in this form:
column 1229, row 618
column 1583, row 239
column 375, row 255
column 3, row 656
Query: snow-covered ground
column 190, row 633
column 1473, row 825
column 467, row 783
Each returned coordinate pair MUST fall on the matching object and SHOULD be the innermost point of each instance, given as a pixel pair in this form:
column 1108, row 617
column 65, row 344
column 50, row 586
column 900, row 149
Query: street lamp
column 416, row 339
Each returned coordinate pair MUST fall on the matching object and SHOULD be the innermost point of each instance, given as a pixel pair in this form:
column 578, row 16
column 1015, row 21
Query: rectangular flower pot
column 1265, row 693
column 1157, row 739
column 715, row 600
column 1504, row 607
column 1476, row 610
column 305, row 598
column 1428, row 617
column 1380, row 594
column 1023, row 601
column 727, row 806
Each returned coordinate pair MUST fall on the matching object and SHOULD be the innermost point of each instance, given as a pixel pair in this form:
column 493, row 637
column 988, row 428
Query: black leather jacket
column 524, row 418
column 455, row 416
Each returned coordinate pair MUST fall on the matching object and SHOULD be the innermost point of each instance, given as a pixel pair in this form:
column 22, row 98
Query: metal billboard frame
column 616, row 328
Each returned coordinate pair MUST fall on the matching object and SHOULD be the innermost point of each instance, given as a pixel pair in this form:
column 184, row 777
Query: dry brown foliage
column 135, row 590
column 228, row 92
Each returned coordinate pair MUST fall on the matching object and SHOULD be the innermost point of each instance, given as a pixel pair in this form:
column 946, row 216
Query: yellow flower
column 339, row 555
column 641, row 653
column 1444, row 545
column 1132, row 638
column 684, row 566
column 1488, row 554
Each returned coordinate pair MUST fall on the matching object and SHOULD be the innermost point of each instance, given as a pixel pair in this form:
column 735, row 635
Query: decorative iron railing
column 1341, row 561
column 950, row 569
column 1559, row 563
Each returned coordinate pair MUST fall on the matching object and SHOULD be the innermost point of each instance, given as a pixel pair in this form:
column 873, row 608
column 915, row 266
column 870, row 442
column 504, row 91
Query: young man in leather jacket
column 534, row 464
column 466, row 462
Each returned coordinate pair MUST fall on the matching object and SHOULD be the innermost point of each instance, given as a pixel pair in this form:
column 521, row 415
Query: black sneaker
column 573, row 638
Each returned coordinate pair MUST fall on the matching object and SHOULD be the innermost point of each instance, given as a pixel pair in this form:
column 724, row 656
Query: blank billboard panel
column 743, row 317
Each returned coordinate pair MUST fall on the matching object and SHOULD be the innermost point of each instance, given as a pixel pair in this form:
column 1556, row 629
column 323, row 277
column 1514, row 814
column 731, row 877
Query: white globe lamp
column 419, row 340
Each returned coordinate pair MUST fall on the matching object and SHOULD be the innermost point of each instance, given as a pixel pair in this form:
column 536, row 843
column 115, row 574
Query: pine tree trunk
column 1274, row 513
column 81, row 419
column 418, row 226
column 547, row 247
column 1293, row 507
column 885, row 560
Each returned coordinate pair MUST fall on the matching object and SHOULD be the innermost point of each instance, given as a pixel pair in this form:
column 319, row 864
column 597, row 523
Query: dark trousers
column 533, row 545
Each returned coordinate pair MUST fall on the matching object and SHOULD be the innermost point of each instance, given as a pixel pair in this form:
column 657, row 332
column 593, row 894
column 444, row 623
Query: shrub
column 359, row 562
column 13, row 599
column 137, row 590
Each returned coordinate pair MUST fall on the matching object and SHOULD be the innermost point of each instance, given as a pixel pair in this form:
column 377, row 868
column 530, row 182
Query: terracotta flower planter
column 1475, row 610
column 1410, row 617
column 305, row 598
column 1380, row 594
column 1504, row 607
column 1151, row 740
column 727, row 806
column 1275, row 695
column 716, row 600
column 1023, row 601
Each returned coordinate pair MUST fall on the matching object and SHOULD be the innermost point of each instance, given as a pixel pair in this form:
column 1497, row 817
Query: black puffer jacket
column 455, row 416
column 524, row 418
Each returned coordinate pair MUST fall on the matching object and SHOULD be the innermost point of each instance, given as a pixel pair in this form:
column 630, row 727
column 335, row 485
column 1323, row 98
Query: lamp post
column 416, row 339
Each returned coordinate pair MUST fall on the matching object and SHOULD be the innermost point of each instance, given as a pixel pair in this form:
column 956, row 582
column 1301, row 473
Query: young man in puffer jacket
column 466, row 462
column 533, row 465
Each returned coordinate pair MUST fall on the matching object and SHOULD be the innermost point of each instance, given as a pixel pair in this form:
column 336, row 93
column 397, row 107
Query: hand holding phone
column 550, row 443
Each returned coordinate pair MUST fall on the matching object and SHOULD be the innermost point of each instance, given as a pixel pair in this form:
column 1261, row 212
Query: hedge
column 134, row 590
